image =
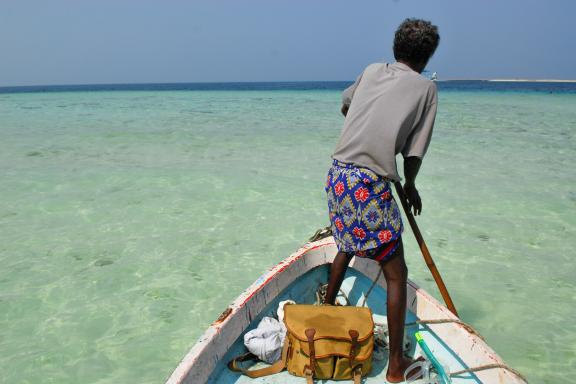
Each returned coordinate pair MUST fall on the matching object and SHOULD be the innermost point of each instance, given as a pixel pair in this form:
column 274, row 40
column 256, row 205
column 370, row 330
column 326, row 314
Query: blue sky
column 143, row 41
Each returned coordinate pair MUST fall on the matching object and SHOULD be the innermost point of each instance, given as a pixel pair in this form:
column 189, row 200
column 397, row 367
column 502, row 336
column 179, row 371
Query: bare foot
column 395, row 372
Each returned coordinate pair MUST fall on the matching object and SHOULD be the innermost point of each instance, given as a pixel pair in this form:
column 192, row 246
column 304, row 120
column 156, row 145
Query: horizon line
column 511, row 80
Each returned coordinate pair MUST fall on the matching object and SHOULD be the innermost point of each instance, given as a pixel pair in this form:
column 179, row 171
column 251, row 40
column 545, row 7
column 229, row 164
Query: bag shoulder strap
column 266, row 371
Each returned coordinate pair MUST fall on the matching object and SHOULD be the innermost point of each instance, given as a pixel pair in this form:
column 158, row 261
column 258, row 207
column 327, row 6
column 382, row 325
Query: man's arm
column 416, row 147
column 348, row 94
column 411, row 168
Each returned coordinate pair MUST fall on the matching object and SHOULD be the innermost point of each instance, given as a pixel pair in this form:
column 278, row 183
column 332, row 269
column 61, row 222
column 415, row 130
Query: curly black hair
column 415, row 41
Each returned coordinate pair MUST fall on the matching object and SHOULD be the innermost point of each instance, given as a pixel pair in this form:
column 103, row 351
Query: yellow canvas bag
column 323, row 342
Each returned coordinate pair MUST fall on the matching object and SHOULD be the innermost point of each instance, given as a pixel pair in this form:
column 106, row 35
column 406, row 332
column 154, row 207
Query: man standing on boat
column 390, row 109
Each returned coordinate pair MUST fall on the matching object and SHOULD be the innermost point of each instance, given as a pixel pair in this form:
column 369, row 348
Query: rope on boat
column 468, row 327
column 320, row 234
column 321, row 295
column 372, row 286
column 489, row 366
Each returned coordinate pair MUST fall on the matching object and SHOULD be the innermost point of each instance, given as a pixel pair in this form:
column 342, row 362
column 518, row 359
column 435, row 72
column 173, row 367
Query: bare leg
column 396, row 274
column 337, row 271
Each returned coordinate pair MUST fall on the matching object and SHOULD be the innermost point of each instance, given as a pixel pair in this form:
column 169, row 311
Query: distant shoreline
column 516, row 80
column 534, row 81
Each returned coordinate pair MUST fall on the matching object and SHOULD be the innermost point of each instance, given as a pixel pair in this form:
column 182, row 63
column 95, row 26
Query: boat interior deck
column 355, row 286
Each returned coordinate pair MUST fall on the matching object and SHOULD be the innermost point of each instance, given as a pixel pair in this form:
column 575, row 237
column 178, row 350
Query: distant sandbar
column 534, row 80
column 515, row 80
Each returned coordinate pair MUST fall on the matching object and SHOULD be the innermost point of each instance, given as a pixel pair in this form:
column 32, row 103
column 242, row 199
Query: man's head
column 415, row 42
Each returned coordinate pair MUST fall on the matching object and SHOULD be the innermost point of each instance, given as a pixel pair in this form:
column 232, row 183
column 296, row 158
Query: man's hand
column 413, row 197
column 411, row 167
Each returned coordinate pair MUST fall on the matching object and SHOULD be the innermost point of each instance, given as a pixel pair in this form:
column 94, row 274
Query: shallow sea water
column 129, row 220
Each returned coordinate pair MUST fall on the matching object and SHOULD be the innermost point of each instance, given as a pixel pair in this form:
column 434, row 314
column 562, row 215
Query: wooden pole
column 424, row 249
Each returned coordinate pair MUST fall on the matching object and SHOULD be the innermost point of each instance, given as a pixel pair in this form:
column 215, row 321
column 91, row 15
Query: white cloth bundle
column 267, row 339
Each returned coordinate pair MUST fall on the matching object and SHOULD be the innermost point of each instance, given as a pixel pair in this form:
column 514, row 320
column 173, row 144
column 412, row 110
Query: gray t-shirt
column 392, row 110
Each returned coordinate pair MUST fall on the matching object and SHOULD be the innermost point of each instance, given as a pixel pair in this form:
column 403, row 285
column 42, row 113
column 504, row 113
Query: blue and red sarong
column 364, row 216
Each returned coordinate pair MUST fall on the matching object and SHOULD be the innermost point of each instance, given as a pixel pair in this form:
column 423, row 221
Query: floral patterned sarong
column 364, row 216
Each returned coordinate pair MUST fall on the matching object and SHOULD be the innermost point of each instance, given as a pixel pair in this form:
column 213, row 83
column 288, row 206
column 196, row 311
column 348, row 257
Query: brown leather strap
column 354, row 346
column 247, row 356
column 357, row 374
column 310, row 332
column 255, row 373
column 308, row 375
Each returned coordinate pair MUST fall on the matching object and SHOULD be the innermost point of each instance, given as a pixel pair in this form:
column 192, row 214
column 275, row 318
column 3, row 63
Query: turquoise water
column 129, row 220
